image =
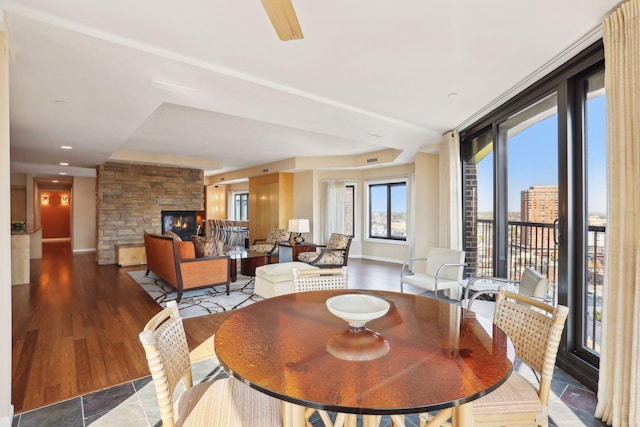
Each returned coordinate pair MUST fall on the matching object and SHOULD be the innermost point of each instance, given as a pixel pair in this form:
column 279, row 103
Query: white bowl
column 357, row 309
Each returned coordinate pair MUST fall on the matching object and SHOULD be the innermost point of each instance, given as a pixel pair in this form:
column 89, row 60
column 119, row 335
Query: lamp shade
column 299, row 225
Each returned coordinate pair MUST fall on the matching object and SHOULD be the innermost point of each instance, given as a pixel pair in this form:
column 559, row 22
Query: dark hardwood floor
column 76, row 325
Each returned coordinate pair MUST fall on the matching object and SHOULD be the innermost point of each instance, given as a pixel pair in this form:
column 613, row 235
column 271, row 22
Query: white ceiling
column 369, row 75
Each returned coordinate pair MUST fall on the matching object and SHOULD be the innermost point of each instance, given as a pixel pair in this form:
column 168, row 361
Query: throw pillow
column 173, row 235
column 204, row 246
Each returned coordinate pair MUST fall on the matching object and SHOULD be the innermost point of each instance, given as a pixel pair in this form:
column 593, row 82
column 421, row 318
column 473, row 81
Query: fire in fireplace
column 183, row 223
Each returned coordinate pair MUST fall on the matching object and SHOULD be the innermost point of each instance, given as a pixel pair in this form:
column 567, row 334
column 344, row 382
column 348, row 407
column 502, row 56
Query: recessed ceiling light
column 66, row 147
column 375, row 135
column 64, row 164
column 62, row 173
column 452, row 94
column 55, row 181
column 59, row 101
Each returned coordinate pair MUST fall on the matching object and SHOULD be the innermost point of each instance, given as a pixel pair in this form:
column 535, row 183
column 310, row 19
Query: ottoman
column 276, row 279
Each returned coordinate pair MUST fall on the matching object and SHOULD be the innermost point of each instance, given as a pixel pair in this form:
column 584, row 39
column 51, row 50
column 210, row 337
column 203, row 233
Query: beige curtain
column 450, row 224
column 450, row 192
column 334, row 208
column 619, row 383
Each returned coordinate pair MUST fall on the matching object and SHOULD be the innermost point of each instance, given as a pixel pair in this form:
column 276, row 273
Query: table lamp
column 298, row 226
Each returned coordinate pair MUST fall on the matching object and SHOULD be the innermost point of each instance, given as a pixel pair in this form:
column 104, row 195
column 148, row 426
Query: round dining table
column 423, row 355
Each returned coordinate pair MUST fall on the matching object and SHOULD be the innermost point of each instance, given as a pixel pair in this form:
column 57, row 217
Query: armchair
column 531, row 284
column 270, row 245
column 334, row 254
column 444, row 269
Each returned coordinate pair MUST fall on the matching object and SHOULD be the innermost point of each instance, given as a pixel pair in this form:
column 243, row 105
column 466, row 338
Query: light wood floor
column 76, row 326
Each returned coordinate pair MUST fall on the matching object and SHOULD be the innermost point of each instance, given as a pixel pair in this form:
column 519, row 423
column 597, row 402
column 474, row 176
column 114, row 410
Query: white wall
column 303, row 201
column 423, row 206
column 6, row 408
column 83, row 215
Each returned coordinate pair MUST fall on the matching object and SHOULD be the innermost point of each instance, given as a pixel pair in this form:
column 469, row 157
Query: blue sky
column 533, row 160
column 398, row 199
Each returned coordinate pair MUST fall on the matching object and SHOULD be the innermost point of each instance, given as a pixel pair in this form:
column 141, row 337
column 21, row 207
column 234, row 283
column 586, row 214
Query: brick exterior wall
column 471, row 214
column 131, row 197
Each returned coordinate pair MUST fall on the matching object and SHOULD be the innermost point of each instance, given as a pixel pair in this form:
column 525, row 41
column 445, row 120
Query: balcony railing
column 532, row 245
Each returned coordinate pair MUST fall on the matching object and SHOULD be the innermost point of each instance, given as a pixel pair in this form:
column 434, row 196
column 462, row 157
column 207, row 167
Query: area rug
column 199, row 302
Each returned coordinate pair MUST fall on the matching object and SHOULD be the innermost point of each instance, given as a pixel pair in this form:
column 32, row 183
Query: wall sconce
column 65, row 200
column 45, row 200
column 298, row 226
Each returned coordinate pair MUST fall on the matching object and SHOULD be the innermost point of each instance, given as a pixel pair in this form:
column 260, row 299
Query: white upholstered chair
column 224, row 402
column 531, row 284
column 444, row 270
column 535, row 328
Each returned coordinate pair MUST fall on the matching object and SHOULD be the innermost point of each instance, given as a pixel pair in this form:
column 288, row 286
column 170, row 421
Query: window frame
column 563, row 80
column 352, row 186
column 236, row 194
column 388, row 184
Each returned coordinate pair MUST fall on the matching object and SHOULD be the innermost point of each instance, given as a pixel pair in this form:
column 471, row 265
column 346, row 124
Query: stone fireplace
column 183, row 223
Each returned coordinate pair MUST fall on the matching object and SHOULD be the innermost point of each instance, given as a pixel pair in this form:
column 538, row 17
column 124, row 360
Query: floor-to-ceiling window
column 534, row 197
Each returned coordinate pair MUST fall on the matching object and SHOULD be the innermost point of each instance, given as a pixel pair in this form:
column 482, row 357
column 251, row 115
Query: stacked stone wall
column 130, row 198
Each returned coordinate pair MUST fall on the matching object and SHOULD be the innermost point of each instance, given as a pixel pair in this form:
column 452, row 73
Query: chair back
column 338, row 241
column 535, row 328
column 533, row 284
column 436, row 257
column 165, row 344
column 321, row 279
column 277, row 234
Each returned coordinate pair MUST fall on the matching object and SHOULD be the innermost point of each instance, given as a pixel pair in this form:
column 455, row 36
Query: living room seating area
column 175, row 261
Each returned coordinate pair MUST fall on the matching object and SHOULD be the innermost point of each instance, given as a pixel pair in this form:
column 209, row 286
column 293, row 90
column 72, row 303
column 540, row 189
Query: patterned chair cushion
column 262, row 248
column 338, row 241
column 173, row 235
column 333, row 258
column 275, row 235
column 204, row 246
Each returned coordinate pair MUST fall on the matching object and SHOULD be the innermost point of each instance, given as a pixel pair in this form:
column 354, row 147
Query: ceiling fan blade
column 284, row 19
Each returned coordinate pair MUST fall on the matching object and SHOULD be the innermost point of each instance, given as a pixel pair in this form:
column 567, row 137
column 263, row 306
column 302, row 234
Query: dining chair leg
column 372, row 421
column 345, row 420
column 397, row 420
column 462, row 416
column 292, row 415
column 438, row 420
column 326, row 419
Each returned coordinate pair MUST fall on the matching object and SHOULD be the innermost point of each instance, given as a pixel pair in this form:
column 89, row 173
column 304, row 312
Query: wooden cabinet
column 270, row 203
column 131, row 254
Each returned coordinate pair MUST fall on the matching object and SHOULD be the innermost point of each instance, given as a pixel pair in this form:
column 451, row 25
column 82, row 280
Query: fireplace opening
column 183, row 223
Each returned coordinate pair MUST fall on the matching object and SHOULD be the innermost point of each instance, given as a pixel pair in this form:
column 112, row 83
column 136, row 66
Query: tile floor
column 134, row 404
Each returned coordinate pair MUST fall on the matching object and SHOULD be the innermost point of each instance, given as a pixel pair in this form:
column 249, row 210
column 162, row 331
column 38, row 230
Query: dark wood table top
column 439, row 356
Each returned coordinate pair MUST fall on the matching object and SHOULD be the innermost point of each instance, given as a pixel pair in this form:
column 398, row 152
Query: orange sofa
column 176, row 263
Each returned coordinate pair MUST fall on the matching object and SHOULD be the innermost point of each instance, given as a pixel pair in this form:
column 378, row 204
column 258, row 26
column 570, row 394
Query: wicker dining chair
column 320, row 279
column 317, row 280
column 223, row 402
column 535, row 328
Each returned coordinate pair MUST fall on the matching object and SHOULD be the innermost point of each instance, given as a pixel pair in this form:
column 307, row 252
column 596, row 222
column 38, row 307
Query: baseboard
column 7, row 421
column 375, row 258
column 84, row 250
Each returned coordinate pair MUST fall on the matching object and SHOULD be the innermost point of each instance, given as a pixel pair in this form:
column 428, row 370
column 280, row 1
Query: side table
column 289, row 252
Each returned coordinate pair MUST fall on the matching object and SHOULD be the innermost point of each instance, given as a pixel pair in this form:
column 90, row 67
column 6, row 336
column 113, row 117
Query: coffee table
column 249, row 261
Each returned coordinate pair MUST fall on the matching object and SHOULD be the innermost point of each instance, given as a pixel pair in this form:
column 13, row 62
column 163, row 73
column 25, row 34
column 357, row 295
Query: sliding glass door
column 535, row 191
